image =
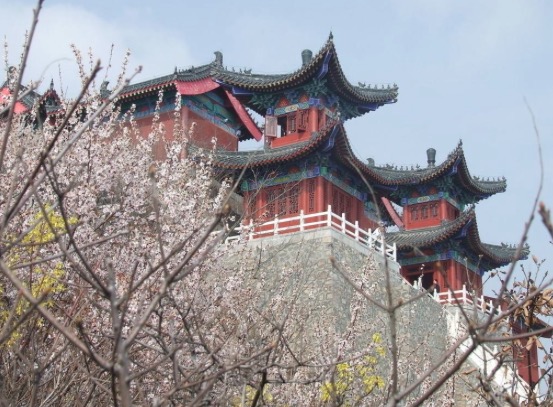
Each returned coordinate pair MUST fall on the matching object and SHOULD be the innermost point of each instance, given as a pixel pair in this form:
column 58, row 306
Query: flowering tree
column 116, row 288
column 113, row 287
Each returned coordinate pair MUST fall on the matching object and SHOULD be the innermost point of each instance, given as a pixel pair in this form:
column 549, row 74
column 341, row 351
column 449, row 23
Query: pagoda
column 305, row 175
column 305, row 166
column 438, row 237
column 45, row 107
column 302, row 166
column 214, row 109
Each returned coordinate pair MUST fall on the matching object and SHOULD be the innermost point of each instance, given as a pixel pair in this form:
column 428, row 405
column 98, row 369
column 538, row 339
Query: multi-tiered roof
column 321, row 76
column 460, row 236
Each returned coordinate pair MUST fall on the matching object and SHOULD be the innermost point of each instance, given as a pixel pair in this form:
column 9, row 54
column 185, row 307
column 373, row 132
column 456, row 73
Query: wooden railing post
column 251, row 230
column 370, row 241
column 276, row 225
column 329, row 216
column 357, row 230
column 343, row 223
column 301, row 220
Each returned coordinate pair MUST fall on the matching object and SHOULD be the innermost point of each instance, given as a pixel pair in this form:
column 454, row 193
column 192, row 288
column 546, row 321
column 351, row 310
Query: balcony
column 373, row 240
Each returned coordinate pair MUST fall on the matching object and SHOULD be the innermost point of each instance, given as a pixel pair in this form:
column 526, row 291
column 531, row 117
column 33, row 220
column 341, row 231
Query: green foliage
column 44, row 281
column 249, row 395
column 353, row 382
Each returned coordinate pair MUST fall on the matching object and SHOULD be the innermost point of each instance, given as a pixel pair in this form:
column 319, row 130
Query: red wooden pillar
column 185, row 121
column 439, row 268
column 443, row 209
column 328, row 188
column 454, row 277
column 458, row 280
column 313, row 119
column 260, row 203
column 527, row 359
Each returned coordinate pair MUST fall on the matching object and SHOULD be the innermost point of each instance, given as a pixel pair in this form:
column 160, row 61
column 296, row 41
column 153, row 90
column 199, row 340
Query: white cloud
column 153, row 46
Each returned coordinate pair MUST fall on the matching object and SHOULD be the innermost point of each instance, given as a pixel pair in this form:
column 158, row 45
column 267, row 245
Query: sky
column 467, row 70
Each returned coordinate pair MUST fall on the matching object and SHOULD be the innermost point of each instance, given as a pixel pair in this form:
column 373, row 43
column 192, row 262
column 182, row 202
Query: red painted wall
column 314, row 195
column 203, row 132
column 428, row 214
column 290, row 139
column 526, row 360
column 19, row 107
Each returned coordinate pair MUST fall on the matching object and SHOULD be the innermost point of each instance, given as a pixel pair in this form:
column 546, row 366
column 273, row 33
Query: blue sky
column 464, row 69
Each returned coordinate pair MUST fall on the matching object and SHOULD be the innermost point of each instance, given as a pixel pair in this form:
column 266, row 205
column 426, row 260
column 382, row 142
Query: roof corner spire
column 13, row 75
column 431, row 157
column 330, row 36
column 218, row 58
column 104, row 91
column 52, row 84
column 306, row 56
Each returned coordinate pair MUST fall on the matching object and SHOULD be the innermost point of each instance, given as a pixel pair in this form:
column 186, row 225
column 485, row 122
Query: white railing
column 464, row 297
column 485, row 357
column 374, row 240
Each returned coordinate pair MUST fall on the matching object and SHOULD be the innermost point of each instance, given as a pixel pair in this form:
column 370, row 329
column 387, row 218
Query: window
column 251, row 205
column 434, row 210
column 271, row 126
column 282, row 200
column 292, row 122
column 311, row 195
column 341, row 203
column 271, row 197
column 293, row 200
column 302, row 118
column 424, row 212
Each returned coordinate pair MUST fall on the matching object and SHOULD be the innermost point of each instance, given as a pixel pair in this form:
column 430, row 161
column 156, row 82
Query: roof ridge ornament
column 306, row 56
column 218, row 58
column 13, row 74
column 431, row 157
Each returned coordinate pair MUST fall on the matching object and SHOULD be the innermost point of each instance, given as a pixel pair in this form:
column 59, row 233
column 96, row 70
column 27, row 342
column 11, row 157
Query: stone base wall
column 304, row 265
